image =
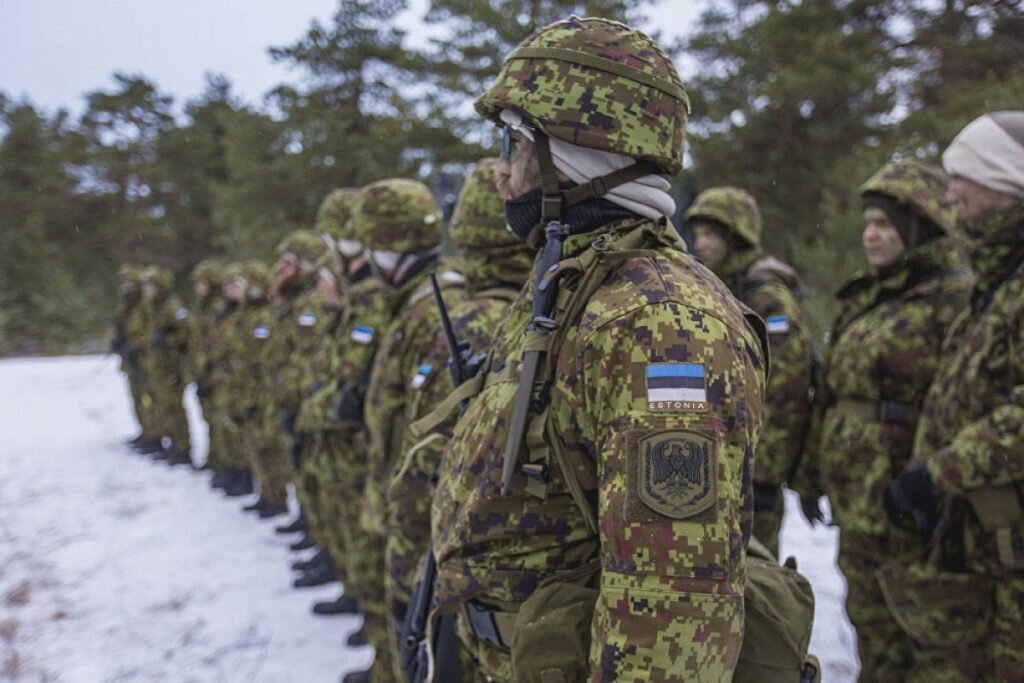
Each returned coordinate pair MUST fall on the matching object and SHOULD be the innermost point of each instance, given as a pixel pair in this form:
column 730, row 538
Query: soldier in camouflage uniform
column 130, row 325
column 206, row 279
column 969, row 446
column 168, row 336
column 727, row 229
column 303, row 315
column 495, row 264
column 228, row 410
column 321, row 490
column 631, row 443
column 883, row 352
column 399, row 222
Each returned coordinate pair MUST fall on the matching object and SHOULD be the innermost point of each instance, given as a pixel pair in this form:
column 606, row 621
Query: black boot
column 220, row 479
column 342, row 605
column 297, row 525
column 357, row 639
column 356, row 677
column 317, row 576
column 268, row 510
column 241, row 484
column 137, row 440
column 254, row 507
column 306, row 565
column 305, row 542
column 178, row 457
column 161, row 455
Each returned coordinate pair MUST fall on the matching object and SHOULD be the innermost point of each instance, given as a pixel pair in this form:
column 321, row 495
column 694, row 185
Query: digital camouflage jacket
column 167, row 343
column 883, row 351
column 971, row 433
column 771, row 289
column 658, row 399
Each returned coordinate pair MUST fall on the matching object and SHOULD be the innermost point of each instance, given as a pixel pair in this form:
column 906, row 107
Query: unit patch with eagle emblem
column 674, row 473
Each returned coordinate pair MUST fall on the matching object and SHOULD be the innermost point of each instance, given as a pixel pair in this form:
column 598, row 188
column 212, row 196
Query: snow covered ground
column 116, row 568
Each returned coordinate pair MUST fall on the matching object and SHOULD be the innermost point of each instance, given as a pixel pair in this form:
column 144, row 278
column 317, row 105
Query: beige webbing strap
column 447, row 407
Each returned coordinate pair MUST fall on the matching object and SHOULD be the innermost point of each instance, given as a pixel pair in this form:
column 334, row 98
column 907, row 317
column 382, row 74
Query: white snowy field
column 117, row 568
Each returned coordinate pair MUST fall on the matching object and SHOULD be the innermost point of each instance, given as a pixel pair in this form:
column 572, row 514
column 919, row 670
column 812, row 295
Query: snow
column 117, row 568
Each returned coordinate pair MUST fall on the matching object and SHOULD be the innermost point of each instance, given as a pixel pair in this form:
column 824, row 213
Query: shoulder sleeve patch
column 362, row 334
column 673, row 474
column 181, row 313
column 676, row 387
column 307, row 319
column 261, row 332
column 423, row 372
column 777, row 324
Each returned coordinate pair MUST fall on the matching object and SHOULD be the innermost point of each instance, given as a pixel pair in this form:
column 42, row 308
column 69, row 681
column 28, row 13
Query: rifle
column 416, row 648
column 531, row 392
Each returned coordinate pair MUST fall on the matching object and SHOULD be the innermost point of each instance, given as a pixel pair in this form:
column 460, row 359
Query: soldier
column 727, row 229
column 969, row 447
column 594, row 505
column 319, row 490
column 169, row 332
column 302, row 318
column 206, row 278
column 883, row 351
column 130, row 325
column 495, row 264
column 400, row 224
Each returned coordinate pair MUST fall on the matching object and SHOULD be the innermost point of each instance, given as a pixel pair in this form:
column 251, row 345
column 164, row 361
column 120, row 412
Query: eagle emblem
column 677, row 473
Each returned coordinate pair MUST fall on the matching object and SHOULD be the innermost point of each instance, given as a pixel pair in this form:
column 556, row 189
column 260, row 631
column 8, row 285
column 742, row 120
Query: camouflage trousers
column 267, row 450
column 140, row 401
column 997, row 658
column 168, row 414
column 886, row 652
column 322, row 492
column 227, row 441
column 216, row 436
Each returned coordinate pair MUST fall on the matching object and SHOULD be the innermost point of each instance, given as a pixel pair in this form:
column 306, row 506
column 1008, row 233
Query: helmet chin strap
column 555, row 200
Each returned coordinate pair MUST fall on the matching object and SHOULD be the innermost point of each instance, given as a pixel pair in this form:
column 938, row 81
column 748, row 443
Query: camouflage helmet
column 731, row 207
column 397, row 215
column 920, row 186
column 598, row 84
column 479, row 216
column 129, row 272
column 256, row 274
column 335, row 212
column 208, row 269
column 159, row 277
column 305, row 245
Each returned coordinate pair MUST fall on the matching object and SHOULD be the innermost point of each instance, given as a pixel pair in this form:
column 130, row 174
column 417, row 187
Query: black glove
column 348, row 407
column 766, row 495
column 913, row 495
column 202, row 389
column 810, row 506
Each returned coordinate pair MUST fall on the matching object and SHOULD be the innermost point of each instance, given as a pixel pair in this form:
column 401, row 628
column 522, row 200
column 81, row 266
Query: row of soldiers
column 578, row 494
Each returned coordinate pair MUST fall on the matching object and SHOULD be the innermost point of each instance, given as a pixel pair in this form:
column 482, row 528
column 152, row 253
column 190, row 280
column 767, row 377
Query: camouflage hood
column 997, row 245
column 490, row 253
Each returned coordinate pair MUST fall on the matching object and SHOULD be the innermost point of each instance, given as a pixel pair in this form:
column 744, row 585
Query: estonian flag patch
column 261, row 332
column 362, row 334
column 777, row 324
column 421, row 376
column 676, row 386
column 307, row 319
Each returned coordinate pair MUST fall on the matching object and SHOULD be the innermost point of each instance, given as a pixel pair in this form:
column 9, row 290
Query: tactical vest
column 548, row 635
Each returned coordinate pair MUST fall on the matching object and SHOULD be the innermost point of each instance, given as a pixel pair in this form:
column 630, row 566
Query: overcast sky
column 53, row 51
